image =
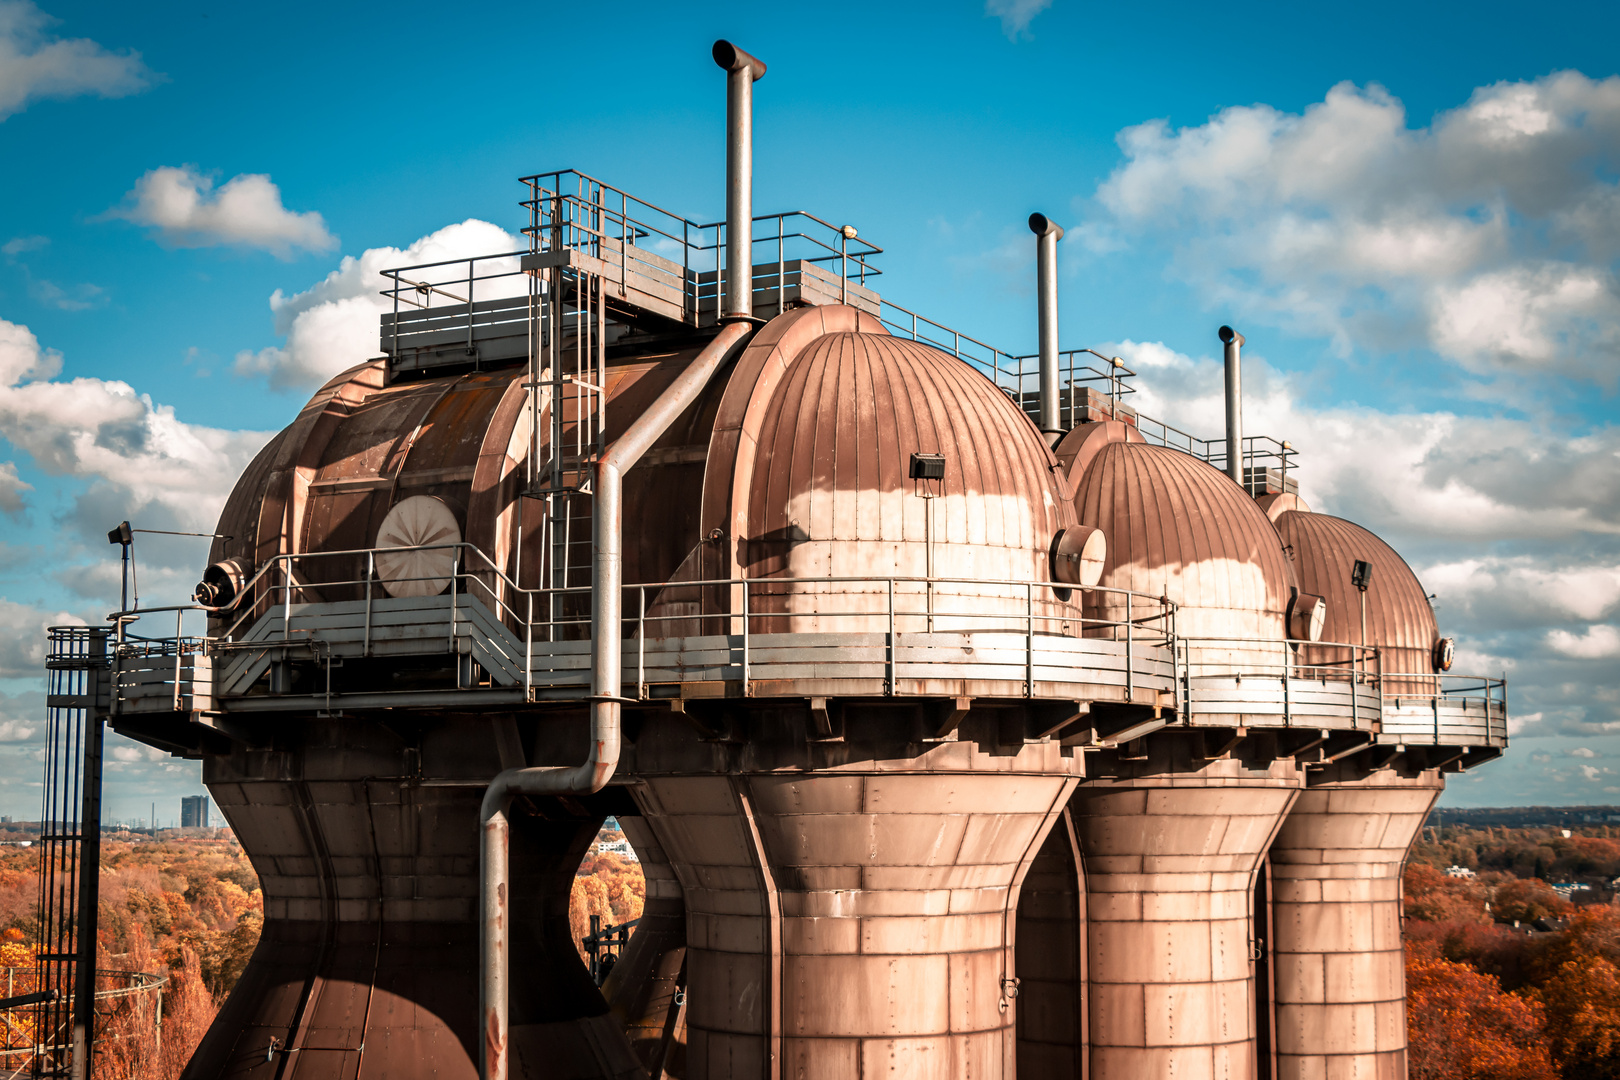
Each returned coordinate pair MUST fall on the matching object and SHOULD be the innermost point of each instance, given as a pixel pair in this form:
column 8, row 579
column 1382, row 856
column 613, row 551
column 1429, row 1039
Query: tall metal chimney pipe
column 742, row 71
column 1047, row 234
column 1234, row 403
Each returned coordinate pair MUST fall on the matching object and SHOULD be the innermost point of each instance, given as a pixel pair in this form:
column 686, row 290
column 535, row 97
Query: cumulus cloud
column 34, row 65
column 1487, row 236
column 136, row 454
column 1597, row 643
column 1425, row 475
column 186, row 210
column 1015, row 15
column 333, row 324
column 1583, row 752
column 22, row 637
column 1514, row 526
column 11, row 488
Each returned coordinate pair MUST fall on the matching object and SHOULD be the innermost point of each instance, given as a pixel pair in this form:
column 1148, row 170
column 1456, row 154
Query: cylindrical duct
column 1047, row 234
column 1234, row 403
column 741, row 72
column 1336, row 916
column 1170, row 850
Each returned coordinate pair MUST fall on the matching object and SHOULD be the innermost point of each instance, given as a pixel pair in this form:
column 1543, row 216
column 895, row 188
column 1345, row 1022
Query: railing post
column 1288, row 704
column 528, row 649
column 889, row 683
column 745, row 636
column 178, row 645
column 455, row 571
column 641, row 640
column 371, row 572
column 1355, row 714
column 1029, row 639
column 1130, row 652
column 286, row 605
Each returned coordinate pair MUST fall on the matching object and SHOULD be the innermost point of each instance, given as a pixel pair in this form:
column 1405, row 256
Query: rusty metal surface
column 1176, row 524
column 1170, row 845
column 854, row 923
column 1400, row 621
column 1336, row 914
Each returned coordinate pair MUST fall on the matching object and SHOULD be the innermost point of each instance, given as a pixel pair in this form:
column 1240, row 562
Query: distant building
column 1460, row 872
column 1568, row 889
column 618, row 847
column 194, row 812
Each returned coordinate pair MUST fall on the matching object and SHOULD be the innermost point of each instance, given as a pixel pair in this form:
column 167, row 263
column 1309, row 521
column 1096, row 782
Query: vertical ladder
column 568, row 373
column 76, row 702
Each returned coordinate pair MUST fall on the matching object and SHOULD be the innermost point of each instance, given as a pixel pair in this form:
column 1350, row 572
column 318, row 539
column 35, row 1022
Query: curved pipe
column 607, row 608
column 1047, row 234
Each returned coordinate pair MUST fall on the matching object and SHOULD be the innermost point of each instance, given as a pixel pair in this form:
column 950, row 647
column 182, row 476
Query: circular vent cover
column 417, row 523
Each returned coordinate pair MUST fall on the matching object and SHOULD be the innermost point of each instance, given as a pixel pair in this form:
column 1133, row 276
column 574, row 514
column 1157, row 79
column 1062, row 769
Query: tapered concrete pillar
column 365, row 843
column 1052, row 960
column 1171, row 845
column 644, row 988
column 1336, row 916
column 854, row 923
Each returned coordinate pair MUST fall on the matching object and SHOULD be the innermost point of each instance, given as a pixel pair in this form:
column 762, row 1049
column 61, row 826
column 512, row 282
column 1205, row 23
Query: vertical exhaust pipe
column 1234, row 404
column 1047, row 234
column 742, row 71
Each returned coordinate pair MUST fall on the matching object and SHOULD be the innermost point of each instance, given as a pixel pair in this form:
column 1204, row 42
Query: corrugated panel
column 1178, row 526
column 1400, row 621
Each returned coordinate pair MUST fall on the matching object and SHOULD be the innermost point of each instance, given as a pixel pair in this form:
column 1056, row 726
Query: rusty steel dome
column 833, row 492
column 1400, row 621
column 1178, row 526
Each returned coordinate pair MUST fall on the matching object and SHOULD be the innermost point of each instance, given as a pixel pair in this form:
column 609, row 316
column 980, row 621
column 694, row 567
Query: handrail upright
column 1029, row 639
column 1130, row 657
column 371, row 572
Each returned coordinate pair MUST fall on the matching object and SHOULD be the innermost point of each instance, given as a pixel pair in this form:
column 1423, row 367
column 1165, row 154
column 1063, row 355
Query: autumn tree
column 1461, row 1026
column 1582, row 1005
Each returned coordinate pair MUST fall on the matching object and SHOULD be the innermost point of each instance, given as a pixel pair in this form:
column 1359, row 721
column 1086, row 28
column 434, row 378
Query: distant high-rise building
column 194, row 812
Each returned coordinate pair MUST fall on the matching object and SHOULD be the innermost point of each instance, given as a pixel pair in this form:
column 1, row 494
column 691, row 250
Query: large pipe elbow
column 1041, row 225
column 732, row 58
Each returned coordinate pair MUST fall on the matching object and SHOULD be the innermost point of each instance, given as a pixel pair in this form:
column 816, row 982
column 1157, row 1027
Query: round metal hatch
column 427, row 529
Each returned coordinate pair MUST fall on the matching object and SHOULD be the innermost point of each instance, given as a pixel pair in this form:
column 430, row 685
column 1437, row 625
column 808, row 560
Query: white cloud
column 1583, row 752
column 22, row 637
column 34, row 65
column 1598, row 643
column 333, row 325
column 1418, row 474
column 11, row 488
column 102, row 430
column 182, row 204
column 1487, row 236
column 16, row 731
column 1015, row 15
column 1591, row 772
column 19, row 244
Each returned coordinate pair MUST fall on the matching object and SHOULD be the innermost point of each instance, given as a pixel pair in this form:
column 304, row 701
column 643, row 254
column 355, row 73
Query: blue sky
column 1411, row 211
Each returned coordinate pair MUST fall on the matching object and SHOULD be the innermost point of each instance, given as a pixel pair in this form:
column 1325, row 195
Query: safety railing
column 664, row 255
column 530, row 622
column 1444, row 709
column 1308, row 683
column 758, row 628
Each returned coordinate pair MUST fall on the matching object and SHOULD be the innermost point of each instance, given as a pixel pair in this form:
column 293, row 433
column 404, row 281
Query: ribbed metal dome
column 1178, row 526
column 832, row 494
column 1400, row 621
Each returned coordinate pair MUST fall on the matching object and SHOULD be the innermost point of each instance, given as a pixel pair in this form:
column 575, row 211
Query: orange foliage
column 1583, row 1018
column 1436, row 898
column 1461, row 1026
column 609, row 886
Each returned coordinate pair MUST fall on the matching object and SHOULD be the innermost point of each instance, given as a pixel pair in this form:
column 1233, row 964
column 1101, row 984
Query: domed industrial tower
column 966, row 722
